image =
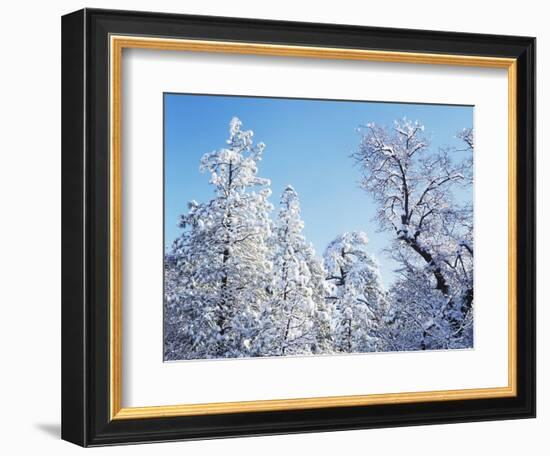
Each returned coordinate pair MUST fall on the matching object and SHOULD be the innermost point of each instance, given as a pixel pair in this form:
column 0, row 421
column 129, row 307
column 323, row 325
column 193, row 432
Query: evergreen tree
column 298, row 307
column 222, row 258
column 358, row 298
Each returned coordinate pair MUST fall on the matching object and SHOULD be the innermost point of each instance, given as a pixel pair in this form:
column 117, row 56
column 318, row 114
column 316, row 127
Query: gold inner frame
column 117, row 44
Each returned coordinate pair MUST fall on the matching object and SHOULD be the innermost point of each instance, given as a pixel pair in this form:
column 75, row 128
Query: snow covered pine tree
column 300, row 315
column 221, row 263
column 358, row 298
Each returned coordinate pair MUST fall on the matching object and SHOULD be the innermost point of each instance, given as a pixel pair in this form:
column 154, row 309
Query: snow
column 242, row 283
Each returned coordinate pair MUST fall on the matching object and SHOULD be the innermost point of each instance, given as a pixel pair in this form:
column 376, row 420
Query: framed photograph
column 269, row 227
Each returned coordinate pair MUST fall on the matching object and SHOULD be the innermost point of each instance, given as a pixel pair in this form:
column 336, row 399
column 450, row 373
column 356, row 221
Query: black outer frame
column 85, row 227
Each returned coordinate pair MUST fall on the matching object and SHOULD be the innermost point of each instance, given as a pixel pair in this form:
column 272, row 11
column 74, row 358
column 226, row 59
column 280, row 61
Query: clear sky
column 308, row 145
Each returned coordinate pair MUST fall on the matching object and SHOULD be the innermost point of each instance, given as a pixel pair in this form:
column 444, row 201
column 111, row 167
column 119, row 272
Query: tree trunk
column 223, row 309
column 441, row 283
column 287, row 330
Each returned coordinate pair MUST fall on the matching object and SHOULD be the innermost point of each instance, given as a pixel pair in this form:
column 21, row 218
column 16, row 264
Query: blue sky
column 309, row 143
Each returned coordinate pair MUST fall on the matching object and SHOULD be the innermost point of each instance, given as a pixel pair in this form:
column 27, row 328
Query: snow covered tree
column 220, row 268
column 176, row 341
column 419, row 319
column 414, row 189
column 300, row 315
column 238, row 285
column 357, row 297
column 322, row 316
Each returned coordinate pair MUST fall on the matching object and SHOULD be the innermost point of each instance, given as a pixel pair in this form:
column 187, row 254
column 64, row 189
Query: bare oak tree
column 415, row 189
